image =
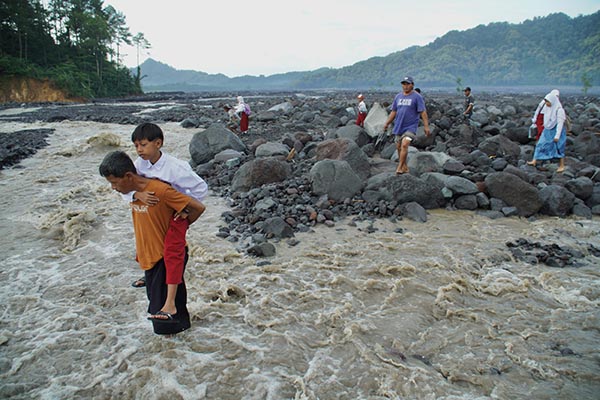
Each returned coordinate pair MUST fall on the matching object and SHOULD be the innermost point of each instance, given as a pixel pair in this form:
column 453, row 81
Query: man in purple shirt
column 406, row 109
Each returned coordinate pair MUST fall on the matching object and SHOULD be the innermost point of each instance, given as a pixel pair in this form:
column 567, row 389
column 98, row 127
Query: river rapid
column 365, row 310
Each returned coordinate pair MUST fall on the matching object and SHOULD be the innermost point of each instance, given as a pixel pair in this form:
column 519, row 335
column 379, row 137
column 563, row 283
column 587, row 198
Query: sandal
column 138, row 283
column 163, row 317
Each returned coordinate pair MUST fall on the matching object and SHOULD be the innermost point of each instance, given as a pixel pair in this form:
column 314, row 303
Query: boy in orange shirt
column 150, row 224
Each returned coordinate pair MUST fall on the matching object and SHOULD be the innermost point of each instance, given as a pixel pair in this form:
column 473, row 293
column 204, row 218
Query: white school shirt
column 174, row 171
column 362, row 107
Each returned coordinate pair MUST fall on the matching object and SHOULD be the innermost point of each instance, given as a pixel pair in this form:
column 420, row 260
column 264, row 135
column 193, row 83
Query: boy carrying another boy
column 148, row 139
column 150, row 224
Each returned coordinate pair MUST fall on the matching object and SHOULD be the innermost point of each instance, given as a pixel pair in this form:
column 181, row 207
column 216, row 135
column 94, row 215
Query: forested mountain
column 73, row 43
column 551, row 50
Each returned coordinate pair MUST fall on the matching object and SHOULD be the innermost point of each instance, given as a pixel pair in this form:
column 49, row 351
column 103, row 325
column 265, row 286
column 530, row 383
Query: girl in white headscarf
column 538, row 115
column 553, row 139
column 243, row 110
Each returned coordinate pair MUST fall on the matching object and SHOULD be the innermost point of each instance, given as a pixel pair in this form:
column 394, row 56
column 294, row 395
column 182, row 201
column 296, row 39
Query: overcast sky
column 266, row 37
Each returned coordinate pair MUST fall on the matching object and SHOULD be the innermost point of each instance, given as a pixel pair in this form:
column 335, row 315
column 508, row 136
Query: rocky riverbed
column 305, row 162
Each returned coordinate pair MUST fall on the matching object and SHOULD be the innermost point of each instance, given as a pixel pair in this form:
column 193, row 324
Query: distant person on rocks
column 406, row 109
column 150, row 225
column 538, row 115
column 243, row 111
column 233, row 119
column 553, row 140
column 469, row 104
column 148, row 140
column 362, row 111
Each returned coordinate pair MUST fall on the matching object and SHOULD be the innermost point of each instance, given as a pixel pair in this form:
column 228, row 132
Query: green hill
column 551, row 50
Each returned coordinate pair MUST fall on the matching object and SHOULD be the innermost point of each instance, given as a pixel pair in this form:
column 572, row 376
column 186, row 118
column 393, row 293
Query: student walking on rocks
column 148, row 139
column 469, row 104
column 362, row 111
column 407, row 107
column 553, row 139
column 243, row 111
column 150, row 225
column 538, row 115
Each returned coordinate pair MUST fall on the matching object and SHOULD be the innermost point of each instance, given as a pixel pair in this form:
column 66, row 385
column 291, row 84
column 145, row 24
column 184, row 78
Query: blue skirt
column 547, row 149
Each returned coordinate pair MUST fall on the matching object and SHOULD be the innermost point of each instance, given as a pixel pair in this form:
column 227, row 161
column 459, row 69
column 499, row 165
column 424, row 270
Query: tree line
column 74, row 43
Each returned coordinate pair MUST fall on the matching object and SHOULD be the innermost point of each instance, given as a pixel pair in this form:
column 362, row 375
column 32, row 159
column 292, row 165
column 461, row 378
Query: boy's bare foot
column 532, row 163
column 560, row 170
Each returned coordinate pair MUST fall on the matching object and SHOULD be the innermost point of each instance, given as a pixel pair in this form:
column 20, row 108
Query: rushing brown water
column 403, row 310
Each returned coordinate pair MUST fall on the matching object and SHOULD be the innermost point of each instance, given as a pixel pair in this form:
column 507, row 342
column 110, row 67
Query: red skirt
column 244, row 122
column 360, row 120
column 539, row 122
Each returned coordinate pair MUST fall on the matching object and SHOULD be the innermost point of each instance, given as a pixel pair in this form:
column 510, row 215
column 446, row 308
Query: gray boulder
column 426, row 161
column 501, row 146
column 226, row 155
column 216, row 138
column 336, row 179
column 352, row 132
column 286, row 106
column 582, row 187
column 277, row 227
column 406, row 188
column 258, row 172
column 345, row 150
column 272, row 149
column 461, row 186
column 414, row 211
column 515, row 192
column 557, row 201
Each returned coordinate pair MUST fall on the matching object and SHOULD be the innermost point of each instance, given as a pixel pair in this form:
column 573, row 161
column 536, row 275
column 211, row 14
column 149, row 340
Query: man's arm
column 192, row 211
column 425, row 119
column 389, row 120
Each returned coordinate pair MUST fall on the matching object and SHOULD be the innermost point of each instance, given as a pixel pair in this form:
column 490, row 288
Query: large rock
column 345, row 150
column 586, row 145
column 422, row 141
column 557, row 201
column 582, row 187
column 423, row 162
column 501, row 146
column 258, row 172
column 336, row 179
column 515, row 192
column 213, row 140
column 406, row 188
column 460, row 185
column 352, row 132
column 272, row 149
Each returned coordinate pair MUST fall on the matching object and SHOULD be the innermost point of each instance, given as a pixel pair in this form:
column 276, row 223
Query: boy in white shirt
column 362, row 111
column 148, row 139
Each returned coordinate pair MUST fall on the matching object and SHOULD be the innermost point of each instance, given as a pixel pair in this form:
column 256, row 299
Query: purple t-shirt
column 408, row 109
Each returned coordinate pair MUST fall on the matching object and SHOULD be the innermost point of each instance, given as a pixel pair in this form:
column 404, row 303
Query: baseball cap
column 467, row 88
column 408, row 79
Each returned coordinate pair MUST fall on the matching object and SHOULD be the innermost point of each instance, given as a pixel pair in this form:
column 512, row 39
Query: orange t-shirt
column 150, row 223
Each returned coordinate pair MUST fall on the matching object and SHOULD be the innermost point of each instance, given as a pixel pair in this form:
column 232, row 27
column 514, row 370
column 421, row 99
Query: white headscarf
column 554, row 113
column 240, row 100
column 542, row 104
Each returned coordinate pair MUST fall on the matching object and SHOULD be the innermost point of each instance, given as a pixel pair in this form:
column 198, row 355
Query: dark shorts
column 156, row 290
